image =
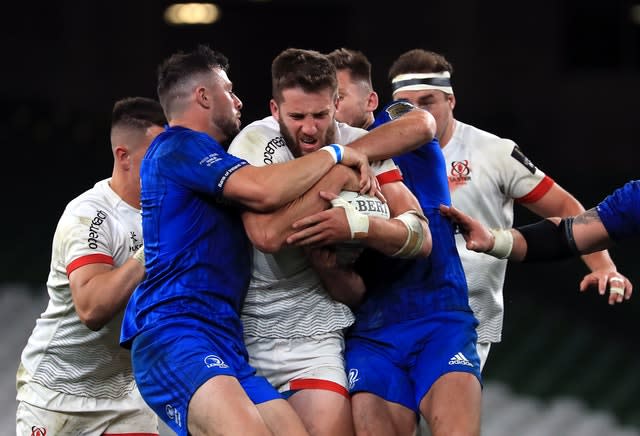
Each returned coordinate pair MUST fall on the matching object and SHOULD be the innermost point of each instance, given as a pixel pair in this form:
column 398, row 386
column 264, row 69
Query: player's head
column 356, row 98
column 135, row 122
column 305, row 90
column 194, row 89
column 424, row 78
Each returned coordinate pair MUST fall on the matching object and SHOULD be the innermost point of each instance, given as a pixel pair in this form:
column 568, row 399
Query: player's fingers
column 616, row 289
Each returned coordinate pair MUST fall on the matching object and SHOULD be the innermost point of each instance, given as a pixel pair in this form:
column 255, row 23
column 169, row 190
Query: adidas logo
column 459, row 359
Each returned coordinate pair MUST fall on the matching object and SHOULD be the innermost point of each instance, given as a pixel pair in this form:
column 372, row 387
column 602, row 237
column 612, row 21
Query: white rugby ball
column 348, row 252
column 366, row 204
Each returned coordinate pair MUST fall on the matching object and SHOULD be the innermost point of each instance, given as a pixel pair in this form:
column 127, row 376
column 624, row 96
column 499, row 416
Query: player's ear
column 451, row 99
column 203, row 98
column 372, row 101
column 275, row 112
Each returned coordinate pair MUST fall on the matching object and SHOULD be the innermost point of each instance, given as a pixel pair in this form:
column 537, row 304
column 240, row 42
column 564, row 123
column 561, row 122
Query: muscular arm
column 397, row 137
column 557, row 202
column 387, row 236
column 268, row 231
column 269, row 187
column 100, row 291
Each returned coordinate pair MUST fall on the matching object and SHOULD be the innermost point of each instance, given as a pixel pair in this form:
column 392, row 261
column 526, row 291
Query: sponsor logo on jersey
column 135, row 242
column 272, row 146
column 369, row 206
column 173, row 414
column 96, row 222
column 460, row 172
column 213, row 360
column 518, row 155
column 353, row 377
column 210, row 159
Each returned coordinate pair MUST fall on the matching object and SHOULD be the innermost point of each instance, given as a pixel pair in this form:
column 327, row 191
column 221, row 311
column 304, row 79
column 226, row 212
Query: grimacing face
column 306, row 119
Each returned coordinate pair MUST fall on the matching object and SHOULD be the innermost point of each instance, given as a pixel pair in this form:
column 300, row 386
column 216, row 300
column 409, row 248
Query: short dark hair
column 307, row 69
column 419, row 61
column 180, row 66
column 353, row 60
column 137, row 112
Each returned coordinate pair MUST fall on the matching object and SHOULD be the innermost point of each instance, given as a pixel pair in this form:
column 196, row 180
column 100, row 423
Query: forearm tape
column 547, row 241
column 415, row 233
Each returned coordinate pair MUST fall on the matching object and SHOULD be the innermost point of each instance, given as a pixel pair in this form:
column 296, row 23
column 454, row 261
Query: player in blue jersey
column 414, row 324
column 615, row 219
column 182, row 323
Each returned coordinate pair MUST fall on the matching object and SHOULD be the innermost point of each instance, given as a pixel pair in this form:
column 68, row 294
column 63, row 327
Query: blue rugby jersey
column 197, row 253
column 401, row 289
column 620, row 211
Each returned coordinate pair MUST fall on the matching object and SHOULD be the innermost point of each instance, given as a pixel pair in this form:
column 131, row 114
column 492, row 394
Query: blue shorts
column 172, row 361
column 401, row 362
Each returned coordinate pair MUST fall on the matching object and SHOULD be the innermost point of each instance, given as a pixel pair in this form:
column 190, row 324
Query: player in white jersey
column 486, row 175
column 74, row 378
column 293, row 327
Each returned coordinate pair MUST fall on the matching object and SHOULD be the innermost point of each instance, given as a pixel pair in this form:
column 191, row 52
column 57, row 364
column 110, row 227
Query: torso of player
column 285, row 297
column 63, row 355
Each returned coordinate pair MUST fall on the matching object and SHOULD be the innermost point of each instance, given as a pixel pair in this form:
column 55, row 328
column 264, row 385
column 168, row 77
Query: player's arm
column 269, row 230
column 546, row 240
column 270, row 187
column 557, row 202
column 405, row 235
column 401, row 135
column 342, row 282
column 100, row 291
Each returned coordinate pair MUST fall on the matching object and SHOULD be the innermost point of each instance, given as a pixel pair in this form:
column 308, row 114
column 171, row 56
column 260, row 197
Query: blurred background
column 560, row 77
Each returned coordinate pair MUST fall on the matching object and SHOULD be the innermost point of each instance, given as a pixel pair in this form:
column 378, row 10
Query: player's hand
column 323, row 228
column 359, row 161
column 477, row 236
column 322, row 258
column 619, row 287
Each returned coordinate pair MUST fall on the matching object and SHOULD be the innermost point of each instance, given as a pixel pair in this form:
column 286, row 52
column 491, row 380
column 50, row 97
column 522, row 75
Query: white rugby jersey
column 63, row 358
column 486, row 174
column 286, row 298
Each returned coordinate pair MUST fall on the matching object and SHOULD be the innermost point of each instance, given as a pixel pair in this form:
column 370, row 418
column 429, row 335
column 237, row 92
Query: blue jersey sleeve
column 202, row 166
column 620, row 212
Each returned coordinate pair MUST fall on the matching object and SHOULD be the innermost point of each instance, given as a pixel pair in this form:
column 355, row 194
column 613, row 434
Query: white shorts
column 35, row 421
column 315, row 362
column 483, row 352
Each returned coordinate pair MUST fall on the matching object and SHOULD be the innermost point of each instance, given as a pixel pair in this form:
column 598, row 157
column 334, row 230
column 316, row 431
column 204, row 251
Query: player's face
column 438, row 103
column 225, row 116
column 307, row 120
column 138, row 150
column 352, row 101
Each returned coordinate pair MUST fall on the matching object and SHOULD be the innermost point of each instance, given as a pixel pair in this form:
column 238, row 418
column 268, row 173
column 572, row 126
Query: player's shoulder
column 99, row 198
column 256, row 134
column 346, row 133
column 482, row 138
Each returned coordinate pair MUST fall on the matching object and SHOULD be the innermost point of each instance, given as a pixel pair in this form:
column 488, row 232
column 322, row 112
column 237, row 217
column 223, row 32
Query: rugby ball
column 348, row 252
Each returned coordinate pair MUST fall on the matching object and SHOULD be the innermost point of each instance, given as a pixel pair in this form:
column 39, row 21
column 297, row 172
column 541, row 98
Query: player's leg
column 221, row 406
column 324, row 412
column 310, row 372
column 373, row 415
column 452, row 405
column 447, row 375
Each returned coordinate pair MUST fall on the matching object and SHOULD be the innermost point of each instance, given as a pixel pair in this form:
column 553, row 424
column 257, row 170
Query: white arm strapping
column 503, row 243
column 358, row 222
column 415, row 233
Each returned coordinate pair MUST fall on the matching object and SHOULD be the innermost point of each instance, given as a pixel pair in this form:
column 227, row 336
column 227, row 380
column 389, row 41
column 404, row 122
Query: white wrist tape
column 336, row 151
column 139, row 255
column 415, row 233
column 502, row 243
column 358, row 222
